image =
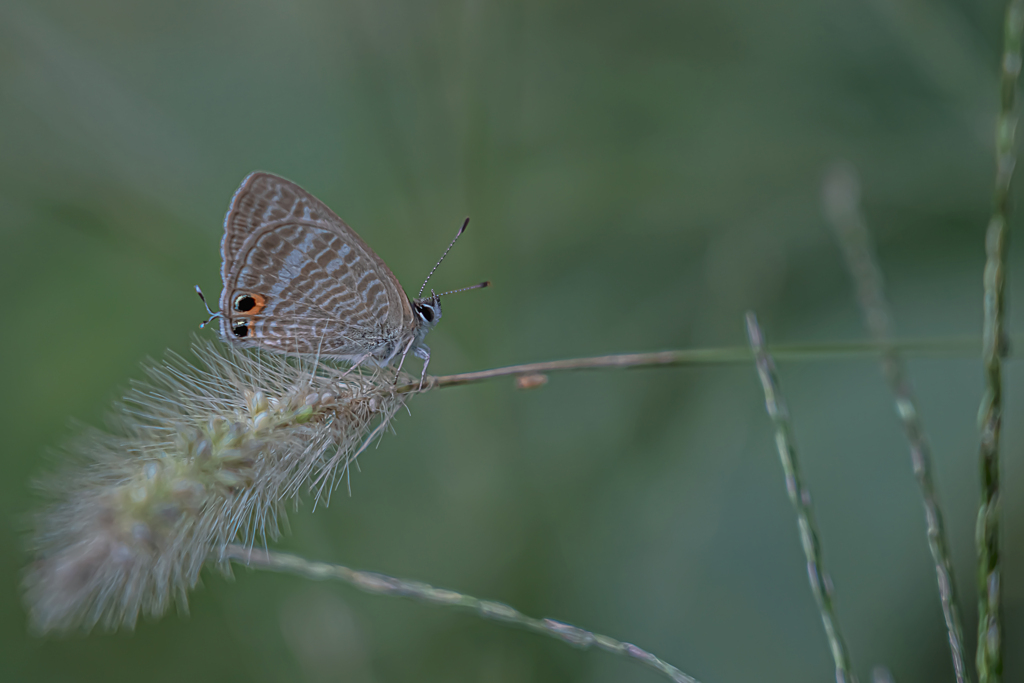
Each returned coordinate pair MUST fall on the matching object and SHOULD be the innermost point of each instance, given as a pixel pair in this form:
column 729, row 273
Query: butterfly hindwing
column 297, row 279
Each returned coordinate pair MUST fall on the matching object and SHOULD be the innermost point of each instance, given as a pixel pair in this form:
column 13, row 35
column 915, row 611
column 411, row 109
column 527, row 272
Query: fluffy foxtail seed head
column 201, row 455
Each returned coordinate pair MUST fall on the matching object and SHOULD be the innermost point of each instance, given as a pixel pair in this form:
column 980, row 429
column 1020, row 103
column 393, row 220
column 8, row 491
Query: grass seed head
column 198, row 456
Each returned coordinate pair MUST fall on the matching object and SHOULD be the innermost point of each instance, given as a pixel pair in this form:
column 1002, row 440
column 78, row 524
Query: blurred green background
column 638, row 174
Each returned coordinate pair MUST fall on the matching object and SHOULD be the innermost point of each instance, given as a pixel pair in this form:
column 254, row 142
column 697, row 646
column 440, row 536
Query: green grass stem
column 843, row 209
column 380, row 584
column 800, row 497
column 989, row 658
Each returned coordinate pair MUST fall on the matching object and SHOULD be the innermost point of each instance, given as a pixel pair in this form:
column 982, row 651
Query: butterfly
column 298, row 280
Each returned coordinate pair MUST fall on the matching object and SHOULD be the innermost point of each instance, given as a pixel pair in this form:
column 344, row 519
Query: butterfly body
column 298, row 280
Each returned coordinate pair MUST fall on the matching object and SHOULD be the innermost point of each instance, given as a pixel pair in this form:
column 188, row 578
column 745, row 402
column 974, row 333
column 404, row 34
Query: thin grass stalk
column 800, row 497
column 842, row 207
column 710, row 356
column 380, row 584
column 989, row 658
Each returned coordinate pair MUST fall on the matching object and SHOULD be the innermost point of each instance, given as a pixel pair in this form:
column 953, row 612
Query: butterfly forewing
column 297, row 279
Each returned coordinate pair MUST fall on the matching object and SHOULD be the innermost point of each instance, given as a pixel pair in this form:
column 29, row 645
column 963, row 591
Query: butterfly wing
column 298, row 280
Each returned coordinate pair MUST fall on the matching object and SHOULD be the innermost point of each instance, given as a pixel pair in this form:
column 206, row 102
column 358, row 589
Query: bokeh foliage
column 638, row 175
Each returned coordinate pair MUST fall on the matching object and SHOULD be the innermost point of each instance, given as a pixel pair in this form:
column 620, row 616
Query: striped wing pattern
column 298, row 280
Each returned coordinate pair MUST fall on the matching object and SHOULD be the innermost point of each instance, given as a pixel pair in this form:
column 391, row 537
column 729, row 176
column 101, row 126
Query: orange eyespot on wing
column 240, row 328
column 249, row 303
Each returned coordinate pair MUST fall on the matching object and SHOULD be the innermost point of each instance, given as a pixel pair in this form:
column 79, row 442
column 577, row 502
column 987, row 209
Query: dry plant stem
column 715, row 356
column 821, row 584
column 380, row 584
column 842, row 206
column 989, row 657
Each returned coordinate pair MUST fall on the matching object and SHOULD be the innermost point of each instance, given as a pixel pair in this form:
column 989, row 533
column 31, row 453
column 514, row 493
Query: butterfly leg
column 423, row 351
column 356, row 364
column 402, row 361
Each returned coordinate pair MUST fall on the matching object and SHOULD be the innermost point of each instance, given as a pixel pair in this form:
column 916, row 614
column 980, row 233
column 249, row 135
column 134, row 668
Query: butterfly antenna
column 464, row 289
column 212, row 314
column 461, row 230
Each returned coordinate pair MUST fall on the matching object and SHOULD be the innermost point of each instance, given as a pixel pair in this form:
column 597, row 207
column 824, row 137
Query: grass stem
column 712, row 356
column 842, row 207
column 800, row 497
column 989, row 658
column 380, row 584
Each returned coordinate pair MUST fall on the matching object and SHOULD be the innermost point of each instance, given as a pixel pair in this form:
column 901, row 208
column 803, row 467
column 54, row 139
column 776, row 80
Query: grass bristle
column 200, row 455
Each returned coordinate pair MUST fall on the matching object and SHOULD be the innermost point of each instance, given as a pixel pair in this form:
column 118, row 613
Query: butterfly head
column 427, row 311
